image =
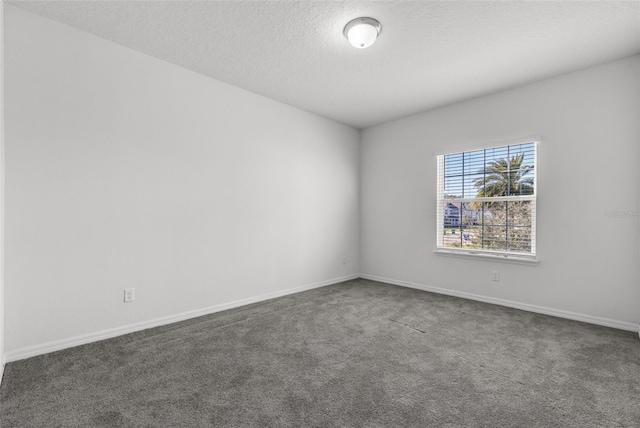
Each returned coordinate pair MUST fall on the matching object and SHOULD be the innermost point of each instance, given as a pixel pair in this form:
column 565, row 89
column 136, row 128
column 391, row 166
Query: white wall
column 587, row 164
column 126, row 171
column 1, row 190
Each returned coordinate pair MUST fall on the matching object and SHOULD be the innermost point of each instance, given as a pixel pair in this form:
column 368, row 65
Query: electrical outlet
column 344, row 260
column 129, row 294
column 495, row 275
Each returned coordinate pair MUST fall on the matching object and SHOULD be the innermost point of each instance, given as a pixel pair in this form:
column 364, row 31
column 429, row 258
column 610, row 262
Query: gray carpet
column 356, row 354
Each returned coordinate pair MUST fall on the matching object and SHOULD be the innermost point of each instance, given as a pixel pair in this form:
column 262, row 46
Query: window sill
column 503, row 258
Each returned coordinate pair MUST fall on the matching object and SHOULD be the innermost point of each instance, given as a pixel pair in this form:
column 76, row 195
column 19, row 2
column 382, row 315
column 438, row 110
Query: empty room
column 320, row 214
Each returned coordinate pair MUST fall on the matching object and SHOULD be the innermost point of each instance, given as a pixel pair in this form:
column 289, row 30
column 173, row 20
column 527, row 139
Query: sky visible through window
column 461, row 170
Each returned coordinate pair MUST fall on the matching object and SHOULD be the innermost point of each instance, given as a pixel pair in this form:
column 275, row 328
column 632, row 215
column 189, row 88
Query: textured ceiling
column 430, row 53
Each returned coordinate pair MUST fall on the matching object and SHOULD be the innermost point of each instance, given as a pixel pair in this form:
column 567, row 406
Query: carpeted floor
column 356, row 354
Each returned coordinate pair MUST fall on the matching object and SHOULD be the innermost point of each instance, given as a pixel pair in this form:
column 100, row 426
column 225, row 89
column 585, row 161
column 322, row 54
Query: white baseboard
column 57, row 345
column 621, row 325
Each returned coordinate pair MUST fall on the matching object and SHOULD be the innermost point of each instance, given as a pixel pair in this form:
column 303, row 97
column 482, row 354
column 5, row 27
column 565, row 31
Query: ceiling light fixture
column 362, row 32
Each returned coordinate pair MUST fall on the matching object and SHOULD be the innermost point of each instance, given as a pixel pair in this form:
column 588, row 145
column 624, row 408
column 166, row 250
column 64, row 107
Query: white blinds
column 487, row 200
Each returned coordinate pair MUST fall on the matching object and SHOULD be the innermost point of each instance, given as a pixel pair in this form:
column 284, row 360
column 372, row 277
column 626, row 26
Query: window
column 487, row 202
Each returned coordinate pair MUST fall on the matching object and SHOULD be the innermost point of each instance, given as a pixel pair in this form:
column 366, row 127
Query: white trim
column 487, row 255
column 517, row 198
column 440, row 210
column 453, row 148
column 621, row 325
column 57, row 345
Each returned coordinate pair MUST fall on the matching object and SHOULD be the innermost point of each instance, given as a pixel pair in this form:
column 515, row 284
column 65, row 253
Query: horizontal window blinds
column 487, row 200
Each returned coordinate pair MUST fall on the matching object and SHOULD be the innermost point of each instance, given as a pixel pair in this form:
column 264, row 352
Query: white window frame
column 504, row 256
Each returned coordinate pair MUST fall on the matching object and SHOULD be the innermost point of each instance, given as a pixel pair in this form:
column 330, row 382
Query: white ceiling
column 430, row 53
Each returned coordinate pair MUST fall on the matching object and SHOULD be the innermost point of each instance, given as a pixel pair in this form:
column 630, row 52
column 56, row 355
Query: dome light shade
column 362, row 32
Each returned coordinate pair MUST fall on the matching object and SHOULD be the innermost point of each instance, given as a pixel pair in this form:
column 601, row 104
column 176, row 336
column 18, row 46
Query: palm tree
column 505, row 177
